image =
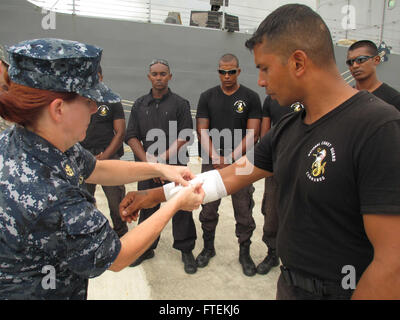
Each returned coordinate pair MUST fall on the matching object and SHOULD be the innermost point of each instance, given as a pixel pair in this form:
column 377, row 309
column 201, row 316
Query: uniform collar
column 40, row 147
column 151, row 99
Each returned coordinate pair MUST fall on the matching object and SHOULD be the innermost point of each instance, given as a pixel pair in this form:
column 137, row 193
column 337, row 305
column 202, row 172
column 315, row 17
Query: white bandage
column 213, row 186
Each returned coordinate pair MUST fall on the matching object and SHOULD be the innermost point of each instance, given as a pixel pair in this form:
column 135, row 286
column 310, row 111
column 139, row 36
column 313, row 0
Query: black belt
column 313, row 285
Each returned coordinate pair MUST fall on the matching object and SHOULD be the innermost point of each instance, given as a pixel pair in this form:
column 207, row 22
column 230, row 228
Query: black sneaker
column 190, row 265
column 145, row 256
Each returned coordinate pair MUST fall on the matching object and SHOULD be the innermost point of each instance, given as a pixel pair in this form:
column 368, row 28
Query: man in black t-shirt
column 104, row 138
column 159, row 128
column 336, row 164
column 228, row 120
column 362, row 60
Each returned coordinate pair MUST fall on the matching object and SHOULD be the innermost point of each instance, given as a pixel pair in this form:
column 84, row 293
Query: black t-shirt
column 101, row 128
column 388, row 94
column 329, row 174
column 272, row 109
column 229, row 112
column 157, row 123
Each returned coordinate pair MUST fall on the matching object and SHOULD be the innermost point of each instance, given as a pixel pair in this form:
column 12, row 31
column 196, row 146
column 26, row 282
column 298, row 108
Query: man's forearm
column 137, row 200
column 173, row 152
column 113, row 147
column 247, row 143
column 137, row 149
column 220, row 183
column 207, row 144
column 230, row 180
column 380, row 281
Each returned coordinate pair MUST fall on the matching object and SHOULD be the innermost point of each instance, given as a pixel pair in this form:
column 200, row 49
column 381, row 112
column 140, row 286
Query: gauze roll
column 213, row 186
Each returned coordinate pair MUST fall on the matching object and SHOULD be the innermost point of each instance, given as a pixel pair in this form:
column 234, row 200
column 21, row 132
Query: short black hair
column 295, row 27
column 371, row 47
column 227, row 57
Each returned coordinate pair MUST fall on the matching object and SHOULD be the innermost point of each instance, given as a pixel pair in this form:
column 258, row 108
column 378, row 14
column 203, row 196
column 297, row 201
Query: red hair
column 23, row 105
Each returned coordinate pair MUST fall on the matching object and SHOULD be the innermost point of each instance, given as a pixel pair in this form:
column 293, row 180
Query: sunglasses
column 359, row 60
column 162, row 61
column 224, row 72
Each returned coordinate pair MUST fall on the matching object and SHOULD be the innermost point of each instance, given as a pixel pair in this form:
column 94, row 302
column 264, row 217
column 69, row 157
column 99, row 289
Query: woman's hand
column 178, row 174
column 189, row 198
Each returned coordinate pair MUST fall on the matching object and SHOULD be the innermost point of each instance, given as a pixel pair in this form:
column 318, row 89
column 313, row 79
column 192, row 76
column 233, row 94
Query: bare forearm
column 379, row 281
column 136, row 241
column 247, row 143
column 265, row 126
column 173, row 151
column 118, row 172
column 241, row 174
column 137, row 149
column 113, row 147
column 216, row 184
column 207, row 144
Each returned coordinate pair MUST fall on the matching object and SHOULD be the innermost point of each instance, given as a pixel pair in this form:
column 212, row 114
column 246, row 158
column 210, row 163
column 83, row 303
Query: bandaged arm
column 213, row 186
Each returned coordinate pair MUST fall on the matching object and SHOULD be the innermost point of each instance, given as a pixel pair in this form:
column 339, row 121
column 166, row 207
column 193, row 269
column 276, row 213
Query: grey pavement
column 163, row 277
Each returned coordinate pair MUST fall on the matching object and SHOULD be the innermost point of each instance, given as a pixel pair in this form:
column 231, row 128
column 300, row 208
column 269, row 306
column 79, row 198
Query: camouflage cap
column 59, row 65
column 3, row 54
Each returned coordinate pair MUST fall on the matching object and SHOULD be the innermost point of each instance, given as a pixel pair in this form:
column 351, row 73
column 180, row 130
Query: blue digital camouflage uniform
column 59, row 65
column 48, row 219
column 52, row 237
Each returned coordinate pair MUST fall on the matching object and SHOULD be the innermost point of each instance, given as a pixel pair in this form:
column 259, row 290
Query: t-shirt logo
column 239, row 106
column 297, row 106
column 103, row 110
column 322, row 154
column 318, row 166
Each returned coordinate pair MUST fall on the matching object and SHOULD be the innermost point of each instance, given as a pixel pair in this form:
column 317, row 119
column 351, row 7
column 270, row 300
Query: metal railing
column 154, row 11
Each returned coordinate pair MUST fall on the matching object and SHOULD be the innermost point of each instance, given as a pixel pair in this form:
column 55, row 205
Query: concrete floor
column 163, row 277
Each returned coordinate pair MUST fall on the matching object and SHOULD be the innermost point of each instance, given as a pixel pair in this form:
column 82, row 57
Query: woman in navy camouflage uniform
column 52, row 237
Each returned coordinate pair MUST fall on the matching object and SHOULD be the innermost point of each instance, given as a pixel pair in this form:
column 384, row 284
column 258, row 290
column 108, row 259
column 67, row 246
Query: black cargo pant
column 242, row 202
column 114, row 195
column 269, row 208
column 183, row 227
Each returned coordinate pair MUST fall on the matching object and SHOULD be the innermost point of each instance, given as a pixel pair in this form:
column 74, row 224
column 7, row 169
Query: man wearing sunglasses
column 362, row 60
column 224, row 114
